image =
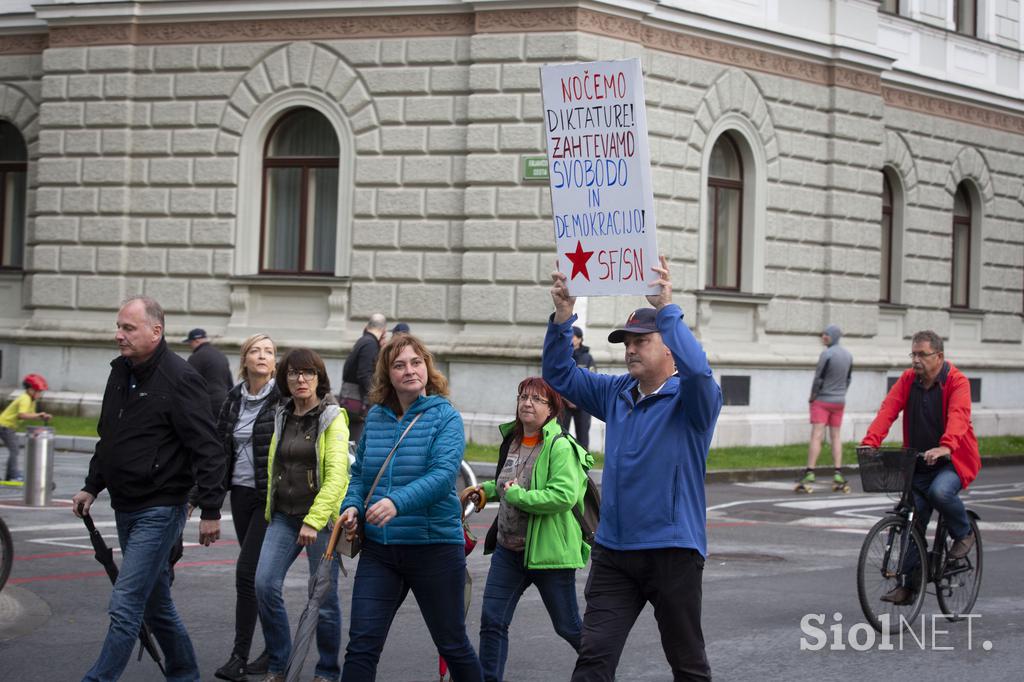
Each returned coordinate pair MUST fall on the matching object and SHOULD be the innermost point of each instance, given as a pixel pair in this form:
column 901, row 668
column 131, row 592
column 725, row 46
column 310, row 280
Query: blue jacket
column 420, row 480
column 652, row 490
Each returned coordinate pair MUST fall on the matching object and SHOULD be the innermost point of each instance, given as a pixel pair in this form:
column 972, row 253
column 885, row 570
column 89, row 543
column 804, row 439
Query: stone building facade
column 861, row 132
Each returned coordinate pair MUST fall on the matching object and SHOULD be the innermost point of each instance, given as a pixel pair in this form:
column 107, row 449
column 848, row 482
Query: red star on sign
column 579, row 259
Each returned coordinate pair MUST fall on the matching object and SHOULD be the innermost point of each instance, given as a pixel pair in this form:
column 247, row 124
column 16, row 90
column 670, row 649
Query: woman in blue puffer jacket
column 413, row 519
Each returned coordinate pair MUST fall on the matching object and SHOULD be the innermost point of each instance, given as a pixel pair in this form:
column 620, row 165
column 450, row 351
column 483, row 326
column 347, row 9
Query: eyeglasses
column 921, row 355
column 307, row 374
column 534, row 399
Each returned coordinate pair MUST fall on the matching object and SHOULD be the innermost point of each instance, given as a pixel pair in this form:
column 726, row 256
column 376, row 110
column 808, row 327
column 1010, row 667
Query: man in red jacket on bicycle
column 935, row 399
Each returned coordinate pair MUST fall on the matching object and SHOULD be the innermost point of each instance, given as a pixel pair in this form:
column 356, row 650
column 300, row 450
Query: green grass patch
column 753, row 457
column 74, row 426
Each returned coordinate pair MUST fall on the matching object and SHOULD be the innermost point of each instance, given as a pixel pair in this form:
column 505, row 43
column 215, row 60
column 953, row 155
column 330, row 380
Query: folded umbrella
column 319, row 585
column 472, row 499
column 105, row 556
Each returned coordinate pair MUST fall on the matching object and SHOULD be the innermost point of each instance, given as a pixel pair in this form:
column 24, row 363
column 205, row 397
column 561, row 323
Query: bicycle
column 897, row 540
column 6, row 553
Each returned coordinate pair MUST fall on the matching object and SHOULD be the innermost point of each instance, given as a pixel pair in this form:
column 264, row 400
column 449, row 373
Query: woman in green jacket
column 535, row 539
column 308, row 477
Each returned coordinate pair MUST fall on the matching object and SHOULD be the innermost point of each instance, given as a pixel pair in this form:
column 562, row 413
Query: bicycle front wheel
column 879, row 571
column 958, row 585
column 6, row 553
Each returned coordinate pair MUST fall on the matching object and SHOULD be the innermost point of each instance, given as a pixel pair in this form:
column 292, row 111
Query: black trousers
column 247, row 512
column 620, row 584
column 581, row 420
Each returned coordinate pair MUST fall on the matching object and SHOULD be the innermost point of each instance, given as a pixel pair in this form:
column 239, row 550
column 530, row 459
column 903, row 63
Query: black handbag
column 351, row 542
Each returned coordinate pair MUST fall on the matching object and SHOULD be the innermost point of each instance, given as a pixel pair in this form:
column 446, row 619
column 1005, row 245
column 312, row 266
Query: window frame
column 717, row 184
column 957, row 4
column 964, row 222
column 896, row 12
column 886, row 266
column 6, row 168
column 305, row 163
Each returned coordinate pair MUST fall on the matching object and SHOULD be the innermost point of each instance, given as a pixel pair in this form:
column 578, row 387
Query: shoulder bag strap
column 387, row 460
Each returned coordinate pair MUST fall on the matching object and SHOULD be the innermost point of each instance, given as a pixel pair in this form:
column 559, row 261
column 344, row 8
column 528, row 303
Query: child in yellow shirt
column 21, row 408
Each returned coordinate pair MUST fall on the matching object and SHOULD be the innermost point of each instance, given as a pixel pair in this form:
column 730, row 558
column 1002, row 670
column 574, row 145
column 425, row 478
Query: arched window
column 299, row 227
column 725, row 215
column 885, row 267
column 13, row 172
column 961, row 262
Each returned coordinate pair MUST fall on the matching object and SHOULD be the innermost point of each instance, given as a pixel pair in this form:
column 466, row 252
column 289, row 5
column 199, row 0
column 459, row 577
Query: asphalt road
column 774, row 558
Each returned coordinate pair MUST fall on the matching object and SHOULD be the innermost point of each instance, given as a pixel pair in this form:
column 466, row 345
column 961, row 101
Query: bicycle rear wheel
column 6, row 553
column 958, row 585
column 879, row 572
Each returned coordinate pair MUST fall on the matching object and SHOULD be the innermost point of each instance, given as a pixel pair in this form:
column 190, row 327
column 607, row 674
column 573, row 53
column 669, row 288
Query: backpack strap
column 577, row 512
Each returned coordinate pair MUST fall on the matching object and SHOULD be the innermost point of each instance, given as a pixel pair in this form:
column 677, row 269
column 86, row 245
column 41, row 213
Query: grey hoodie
column 833, row 373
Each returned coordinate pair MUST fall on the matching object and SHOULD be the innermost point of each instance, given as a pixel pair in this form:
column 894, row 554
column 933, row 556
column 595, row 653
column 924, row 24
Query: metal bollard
column 39, row 466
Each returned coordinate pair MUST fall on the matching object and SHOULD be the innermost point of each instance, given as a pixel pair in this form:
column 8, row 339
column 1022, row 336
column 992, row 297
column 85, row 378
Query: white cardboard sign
column 600, row 176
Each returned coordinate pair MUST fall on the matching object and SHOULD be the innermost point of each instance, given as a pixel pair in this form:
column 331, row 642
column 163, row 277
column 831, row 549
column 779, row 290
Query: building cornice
column 844, row 68
column 23, row 43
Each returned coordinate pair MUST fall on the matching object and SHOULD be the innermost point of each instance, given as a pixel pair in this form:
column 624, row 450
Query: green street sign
column 535, row 168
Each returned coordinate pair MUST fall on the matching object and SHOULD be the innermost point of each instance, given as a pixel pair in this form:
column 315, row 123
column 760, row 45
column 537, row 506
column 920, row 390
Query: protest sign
column 600, row 176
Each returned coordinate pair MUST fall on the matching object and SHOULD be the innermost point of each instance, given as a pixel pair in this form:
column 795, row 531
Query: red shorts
column 827, row 413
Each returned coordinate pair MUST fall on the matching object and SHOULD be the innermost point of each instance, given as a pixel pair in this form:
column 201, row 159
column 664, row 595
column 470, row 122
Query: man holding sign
column 651, row 541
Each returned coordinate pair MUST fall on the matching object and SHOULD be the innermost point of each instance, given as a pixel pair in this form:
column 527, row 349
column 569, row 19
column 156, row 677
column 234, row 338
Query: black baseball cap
column 640, row 321
column 196, row 333
column 400, row 328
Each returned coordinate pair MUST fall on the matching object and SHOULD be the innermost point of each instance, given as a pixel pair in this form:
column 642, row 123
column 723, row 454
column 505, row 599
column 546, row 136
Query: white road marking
column 834, row 502
column 77, row 542
column 99, row 524
column 767, row 485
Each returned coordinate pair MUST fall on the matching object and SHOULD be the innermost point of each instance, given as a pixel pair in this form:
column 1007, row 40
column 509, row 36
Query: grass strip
column 748, row 457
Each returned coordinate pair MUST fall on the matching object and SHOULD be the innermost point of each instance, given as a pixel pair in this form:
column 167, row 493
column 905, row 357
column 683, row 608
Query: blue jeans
column 937, row 489
column 10, row 439
column 436, row 574
column 278, row 553
column 144, row 587
column 506, row 582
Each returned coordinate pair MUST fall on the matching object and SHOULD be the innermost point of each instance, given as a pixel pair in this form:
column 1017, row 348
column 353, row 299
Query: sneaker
column 962, row 546
column 258, row 666
column 273, row 677
column 233, row 670
column 808, row 477
column 899, row 596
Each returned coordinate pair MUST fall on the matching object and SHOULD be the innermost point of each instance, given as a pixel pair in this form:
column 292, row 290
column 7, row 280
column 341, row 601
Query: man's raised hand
column 564, row 303
column 664, row 280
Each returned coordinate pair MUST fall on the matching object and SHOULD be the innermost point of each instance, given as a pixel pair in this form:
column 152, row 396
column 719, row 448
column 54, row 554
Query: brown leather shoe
column 961, row 547
column 899, row 596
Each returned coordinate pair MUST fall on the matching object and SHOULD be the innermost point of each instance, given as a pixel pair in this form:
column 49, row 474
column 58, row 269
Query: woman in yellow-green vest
column 308, row 477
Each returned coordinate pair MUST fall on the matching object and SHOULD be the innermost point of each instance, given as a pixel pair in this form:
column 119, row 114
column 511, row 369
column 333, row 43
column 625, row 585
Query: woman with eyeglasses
column 535, row 538
column 245, row 428
column 308, row 467
column 413, row 520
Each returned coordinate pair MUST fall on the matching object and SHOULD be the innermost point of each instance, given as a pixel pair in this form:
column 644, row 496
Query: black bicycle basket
column 885, row 470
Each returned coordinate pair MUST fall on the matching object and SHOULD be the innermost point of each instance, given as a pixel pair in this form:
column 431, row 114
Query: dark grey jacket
column 262, row 432
column 832, row 375
column 213, row 366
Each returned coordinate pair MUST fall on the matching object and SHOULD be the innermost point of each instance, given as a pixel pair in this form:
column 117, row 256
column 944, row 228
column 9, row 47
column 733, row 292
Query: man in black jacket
column 357, row 374
column 212, row 365
column 574, row 413
column 156, row 439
